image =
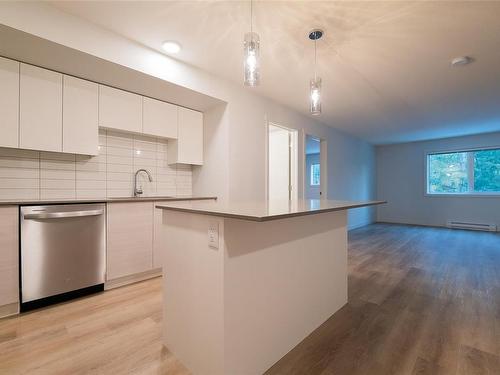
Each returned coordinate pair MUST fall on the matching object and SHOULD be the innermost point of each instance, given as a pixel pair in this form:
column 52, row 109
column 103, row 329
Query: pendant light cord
column 314, row 59
column 251, row 17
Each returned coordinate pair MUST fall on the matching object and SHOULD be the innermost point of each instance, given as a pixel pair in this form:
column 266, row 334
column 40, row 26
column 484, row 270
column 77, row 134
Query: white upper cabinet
column 40, row 111
column 80, row 116
column 9, row 103
column 120, row 109
column 159, row 118
column 188, row 148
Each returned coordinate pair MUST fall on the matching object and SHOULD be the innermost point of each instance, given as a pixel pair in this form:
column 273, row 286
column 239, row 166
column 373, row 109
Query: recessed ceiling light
column 171, row 47
column 462, row 60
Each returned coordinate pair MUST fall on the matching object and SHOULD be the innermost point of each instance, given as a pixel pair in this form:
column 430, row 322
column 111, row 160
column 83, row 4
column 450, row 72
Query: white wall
column 311, row 192
column 401, row 174
column 235, row 148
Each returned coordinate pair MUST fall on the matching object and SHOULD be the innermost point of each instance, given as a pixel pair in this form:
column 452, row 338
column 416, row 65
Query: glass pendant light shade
column 315, row 99
column 251, row 59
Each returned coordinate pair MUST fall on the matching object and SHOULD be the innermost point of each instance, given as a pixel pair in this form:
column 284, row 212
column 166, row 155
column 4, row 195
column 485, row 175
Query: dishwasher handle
column 61, row 215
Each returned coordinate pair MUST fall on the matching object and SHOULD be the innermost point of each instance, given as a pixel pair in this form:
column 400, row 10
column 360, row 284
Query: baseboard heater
column 471, row 226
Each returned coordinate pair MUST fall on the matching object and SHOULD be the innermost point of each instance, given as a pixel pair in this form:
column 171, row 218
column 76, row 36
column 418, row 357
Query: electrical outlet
column 213, row 235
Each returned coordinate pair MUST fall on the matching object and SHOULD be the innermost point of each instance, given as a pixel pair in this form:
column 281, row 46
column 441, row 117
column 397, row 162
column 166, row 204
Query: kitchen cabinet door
column 40, row 111
column 9, row 103
column 9, row 250
column 159, row 118
column 80, row 116
column 120, row 109
column 188, row 148
column 130, row 238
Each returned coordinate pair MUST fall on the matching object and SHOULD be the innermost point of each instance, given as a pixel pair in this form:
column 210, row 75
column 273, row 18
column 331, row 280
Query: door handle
column 61, row 215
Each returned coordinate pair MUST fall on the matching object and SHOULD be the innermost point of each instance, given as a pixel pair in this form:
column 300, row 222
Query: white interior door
column 279, row 160
column 282, row 161
column 315, row 167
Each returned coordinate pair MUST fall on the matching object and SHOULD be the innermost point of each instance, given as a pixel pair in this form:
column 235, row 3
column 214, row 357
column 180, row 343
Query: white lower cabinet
column 9, row 260
column 130, row 238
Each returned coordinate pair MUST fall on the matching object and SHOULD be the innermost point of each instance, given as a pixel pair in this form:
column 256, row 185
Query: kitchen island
column 246, row 282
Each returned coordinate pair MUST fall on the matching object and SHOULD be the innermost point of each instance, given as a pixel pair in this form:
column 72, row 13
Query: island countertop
column 263, row 210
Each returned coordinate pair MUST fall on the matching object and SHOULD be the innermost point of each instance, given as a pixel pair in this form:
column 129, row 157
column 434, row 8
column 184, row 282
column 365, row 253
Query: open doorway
column 282, row 163
column 315, row 171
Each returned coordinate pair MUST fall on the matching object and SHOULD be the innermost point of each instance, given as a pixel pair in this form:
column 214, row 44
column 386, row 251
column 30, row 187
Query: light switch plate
column 213, row 234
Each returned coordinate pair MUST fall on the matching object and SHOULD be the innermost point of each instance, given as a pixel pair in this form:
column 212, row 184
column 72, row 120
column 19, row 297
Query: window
column 315, row 170
column 466, row 172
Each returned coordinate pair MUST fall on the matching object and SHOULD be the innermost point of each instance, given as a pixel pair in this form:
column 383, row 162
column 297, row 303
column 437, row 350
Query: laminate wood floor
column 421, row 301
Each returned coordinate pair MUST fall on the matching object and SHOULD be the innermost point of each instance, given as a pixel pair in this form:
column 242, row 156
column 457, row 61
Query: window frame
column 311, row 175
column 470, row 174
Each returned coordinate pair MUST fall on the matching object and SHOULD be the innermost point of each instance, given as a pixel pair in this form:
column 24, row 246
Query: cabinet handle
column 61, row 215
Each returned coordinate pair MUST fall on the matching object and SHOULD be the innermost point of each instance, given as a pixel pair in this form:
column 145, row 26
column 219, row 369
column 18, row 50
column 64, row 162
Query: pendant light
column 251, row 61
column 315, row 83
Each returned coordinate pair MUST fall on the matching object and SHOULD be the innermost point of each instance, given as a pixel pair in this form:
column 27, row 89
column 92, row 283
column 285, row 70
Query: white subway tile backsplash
column 57, row 194
column 149, row 164
column 118, row 176
column 21, row 194
column 119, row 151
column 91, row 185
column 90, row 167
column 90, row 194
column 116, row 193
column 14, row 162
column 120, row 185
column 91, row 175
column 32, row 175
column 144, row 154
column 20, row 183
column 111, row 159
column 52, row 164
column 57, row 174
column 57, row 184
column 19, row 173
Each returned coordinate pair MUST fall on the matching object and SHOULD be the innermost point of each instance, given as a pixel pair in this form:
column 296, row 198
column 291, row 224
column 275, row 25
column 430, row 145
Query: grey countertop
column 262, row 210
column 100, row 200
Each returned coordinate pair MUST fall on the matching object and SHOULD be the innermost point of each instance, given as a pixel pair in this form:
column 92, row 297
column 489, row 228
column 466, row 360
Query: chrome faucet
column 138, row 190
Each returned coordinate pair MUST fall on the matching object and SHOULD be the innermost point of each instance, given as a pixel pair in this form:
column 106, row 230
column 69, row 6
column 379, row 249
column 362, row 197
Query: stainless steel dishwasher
column 63, row 252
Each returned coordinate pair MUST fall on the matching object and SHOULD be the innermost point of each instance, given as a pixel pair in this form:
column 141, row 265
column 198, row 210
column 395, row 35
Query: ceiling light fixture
column 315, row 83
column 462, row 60
column 171, row 47
column 251, row 46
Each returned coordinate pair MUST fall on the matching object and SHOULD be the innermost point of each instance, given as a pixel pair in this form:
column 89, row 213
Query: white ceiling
column 385, row 65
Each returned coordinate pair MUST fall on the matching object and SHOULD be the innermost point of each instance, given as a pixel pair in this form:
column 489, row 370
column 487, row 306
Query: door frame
column 294, row 160
column 323, row 160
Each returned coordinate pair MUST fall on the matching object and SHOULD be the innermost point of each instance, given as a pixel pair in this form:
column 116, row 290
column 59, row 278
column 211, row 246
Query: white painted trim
column 294, row 176
column 323, row 164
column 130, row 279
column 9, row 310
